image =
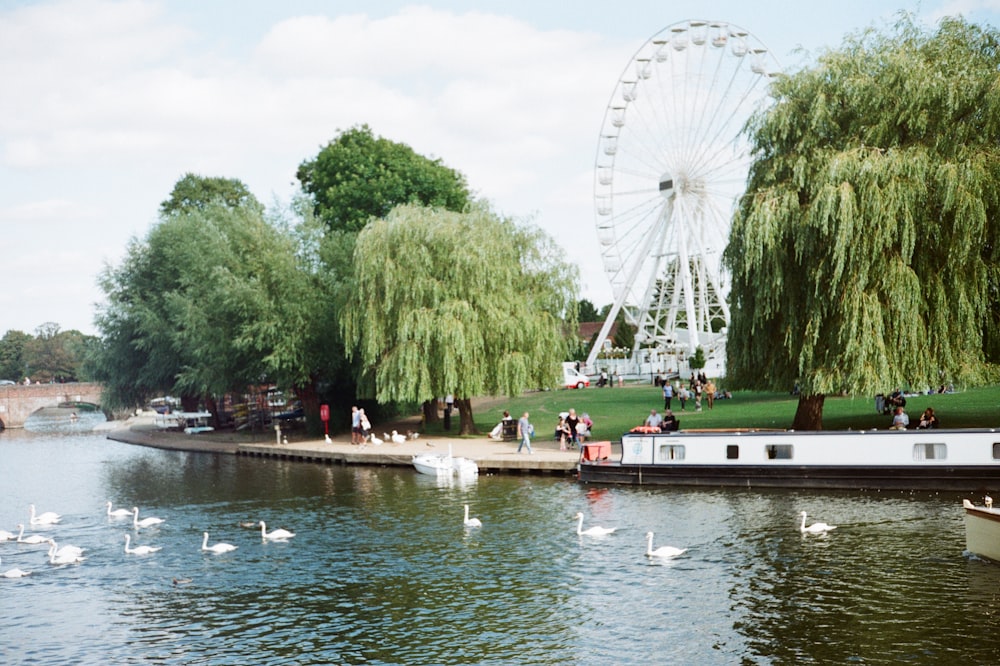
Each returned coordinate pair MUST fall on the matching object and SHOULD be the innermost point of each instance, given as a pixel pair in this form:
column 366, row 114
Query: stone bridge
column 18, row 402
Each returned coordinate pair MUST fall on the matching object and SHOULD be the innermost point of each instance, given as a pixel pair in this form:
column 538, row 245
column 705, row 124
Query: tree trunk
column 430, row 411
column 809, row 415
column 467, row 426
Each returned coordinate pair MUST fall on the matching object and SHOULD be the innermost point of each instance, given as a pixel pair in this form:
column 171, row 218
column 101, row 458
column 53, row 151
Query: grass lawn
column 616, row 410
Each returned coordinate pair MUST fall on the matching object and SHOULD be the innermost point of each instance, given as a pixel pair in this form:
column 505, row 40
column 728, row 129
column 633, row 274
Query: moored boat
column 437, row 464
column 982, row 530
column 966, row 460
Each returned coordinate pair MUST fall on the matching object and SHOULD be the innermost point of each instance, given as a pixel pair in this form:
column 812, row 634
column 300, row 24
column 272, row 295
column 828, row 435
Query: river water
column 382, row 570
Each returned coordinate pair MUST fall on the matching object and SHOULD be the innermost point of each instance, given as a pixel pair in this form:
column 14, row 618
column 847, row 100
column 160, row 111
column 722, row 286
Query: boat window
column 778, row 451
column 996, row 450
column 930, row 451
column 732, row 452
column 670, row 452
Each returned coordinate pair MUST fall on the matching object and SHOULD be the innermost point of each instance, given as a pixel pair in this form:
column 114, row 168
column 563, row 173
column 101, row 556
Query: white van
column 573, row 378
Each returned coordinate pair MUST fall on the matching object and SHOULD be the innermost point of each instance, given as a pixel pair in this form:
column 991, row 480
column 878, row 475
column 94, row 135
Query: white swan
column 217, row 547
column 65, row 551
column 139, row 550
column 47, row 518
column 7, row 536
column 591, row 531
column 471, row 522
column 277, row 535
column 32, row 539
column 662, row 551
column 145, row 522
column 815, row 528
column 63, row 556
column 15, row 573
column 118, row 513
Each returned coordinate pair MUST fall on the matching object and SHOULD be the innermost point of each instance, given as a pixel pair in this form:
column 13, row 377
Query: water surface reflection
column 382, row 570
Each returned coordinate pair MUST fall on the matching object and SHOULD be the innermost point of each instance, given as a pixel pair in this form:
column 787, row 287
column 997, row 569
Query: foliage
column 193, row 192
column 50, row 355
column 464, row 303
column 358, row 177
column 213, row 300
column 12, row 361
column 863, row 251
column 586, row 310
column 697, row 360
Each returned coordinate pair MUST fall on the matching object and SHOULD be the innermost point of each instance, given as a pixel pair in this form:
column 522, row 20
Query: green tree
column 586, row 310
column 12, row 362
column 358, row 177
column 216, row 299
column 198, row 192
column 464, row 303
column 55, row 355
column 863, row 253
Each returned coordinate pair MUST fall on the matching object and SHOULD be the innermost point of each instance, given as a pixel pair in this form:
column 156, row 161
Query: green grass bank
column 616, row 410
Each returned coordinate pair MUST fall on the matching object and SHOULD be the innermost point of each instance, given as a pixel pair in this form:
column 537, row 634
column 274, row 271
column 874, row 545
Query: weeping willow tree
column 864, row 252
column 464, row 303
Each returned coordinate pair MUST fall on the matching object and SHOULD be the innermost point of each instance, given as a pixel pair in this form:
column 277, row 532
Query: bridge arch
column 18, row 402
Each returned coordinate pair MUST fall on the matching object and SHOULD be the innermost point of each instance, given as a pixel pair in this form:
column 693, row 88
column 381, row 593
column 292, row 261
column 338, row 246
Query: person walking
column 524, row 431
column 355, row 425
column 668, row 394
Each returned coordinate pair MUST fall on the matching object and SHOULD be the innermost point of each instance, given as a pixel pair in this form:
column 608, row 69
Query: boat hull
column 942, row 460
column 982, row 531
column 832, row 477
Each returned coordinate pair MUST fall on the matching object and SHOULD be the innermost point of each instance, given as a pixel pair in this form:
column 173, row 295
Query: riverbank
column 491, row 456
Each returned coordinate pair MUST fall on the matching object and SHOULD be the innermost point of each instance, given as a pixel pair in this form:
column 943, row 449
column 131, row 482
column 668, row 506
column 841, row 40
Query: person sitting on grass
column 900, row 421
column 928, row 419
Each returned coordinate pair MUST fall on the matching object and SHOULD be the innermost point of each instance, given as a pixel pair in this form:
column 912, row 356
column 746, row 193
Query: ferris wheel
column 672, row 160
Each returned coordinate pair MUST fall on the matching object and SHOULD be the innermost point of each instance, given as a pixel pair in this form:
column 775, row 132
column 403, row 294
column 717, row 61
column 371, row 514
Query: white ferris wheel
column 672, row 160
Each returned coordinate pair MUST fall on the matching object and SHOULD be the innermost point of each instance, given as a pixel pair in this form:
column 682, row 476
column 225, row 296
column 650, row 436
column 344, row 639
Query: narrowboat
column 939, row 459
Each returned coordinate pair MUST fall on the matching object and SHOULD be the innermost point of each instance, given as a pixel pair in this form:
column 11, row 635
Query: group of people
column 700, row 386
column 572, row 429
column 361, row 427
column 666, row 423
column 901, row 421
column 603, row 379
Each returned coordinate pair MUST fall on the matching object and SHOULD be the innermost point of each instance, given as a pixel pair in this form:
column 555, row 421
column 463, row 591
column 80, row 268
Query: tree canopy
column 467, row 303
column 864, row 251
column 198, row 192
column 213, row 300
column 359, row 176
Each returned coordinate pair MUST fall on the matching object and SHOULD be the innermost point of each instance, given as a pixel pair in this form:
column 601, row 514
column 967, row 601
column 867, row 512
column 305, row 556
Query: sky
column 106, row 104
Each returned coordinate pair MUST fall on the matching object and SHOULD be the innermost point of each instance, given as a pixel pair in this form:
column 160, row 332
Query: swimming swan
column 139, row 550
column 118, row 513
column 217, row 547
column 471, row 522
column 15, row 573
column 65, row 551
column 815, row 528
column 47, row 518
column 591, row 531
column 7, row 536
column 145, row 522
column 277, row 535
column 63, row 556
column 32, row 539
column 662, row 551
